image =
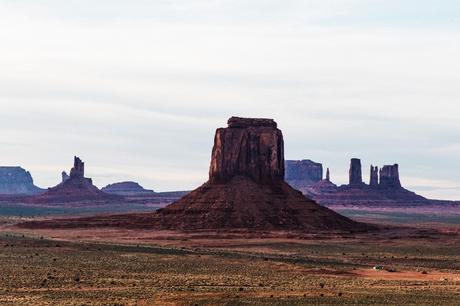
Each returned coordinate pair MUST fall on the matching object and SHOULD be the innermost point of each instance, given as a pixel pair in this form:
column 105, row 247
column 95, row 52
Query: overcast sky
column 137, row 88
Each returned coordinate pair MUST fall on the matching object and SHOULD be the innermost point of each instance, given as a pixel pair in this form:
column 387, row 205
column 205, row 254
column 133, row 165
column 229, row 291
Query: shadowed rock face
column 74, row 188
column 389, row 177
column 356, row 176
column 16, row 180
column 302, row 174
column 246, row 188
column 78, row 170
column 248, row 147
column 374, row 178
column 126, row 188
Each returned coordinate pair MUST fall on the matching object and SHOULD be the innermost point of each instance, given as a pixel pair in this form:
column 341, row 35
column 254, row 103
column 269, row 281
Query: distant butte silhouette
column 74, row 188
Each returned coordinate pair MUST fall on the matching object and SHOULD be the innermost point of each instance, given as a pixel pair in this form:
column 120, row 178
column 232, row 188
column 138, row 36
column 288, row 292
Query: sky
column 137, row 88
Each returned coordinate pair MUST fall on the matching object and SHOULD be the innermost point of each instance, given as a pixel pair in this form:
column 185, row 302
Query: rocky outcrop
column 374, row 176
column 384, row 190
column 127, row 189
column 389, row 177
column 248, row 147
column 302, row 174
column 77, row 188
column 355, row 173
column 17, row 181
column 246, row 188
column 65, row 176
column 78, row 169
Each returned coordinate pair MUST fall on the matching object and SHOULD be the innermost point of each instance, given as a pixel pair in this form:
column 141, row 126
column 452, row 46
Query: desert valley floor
column 143, row 267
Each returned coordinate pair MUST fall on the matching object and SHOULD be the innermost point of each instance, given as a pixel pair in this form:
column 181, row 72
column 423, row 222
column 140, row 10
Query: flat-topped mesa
column 389, row 176
column 238, row 122
column 78, row 170
column 248, row 147
column 374, row 181
column 307, row 171
column 355, row 174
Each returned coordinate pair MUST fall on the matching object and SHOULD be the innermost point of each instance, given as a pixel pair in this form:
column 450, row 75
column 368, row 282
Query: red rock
column 302, row 174
column 248, row 147
column 389, row 177
column 245, row 191
column 374, row 177
column 356, row 176
column 76, row 188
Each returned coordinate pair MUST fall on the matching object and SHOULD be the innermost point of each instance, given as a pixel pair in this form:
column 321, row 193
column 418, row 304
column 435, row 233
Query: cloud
column 138, row 88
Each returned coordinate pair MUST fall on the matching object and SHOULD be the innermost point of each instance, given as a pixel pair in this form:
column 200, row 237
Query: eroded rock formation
column 374, row 176
column 389, row 176
column 355, row 173
column 127, row 189
column 248, row 147
column 246, row 187
column 17, row 181
column 302, row 174
column 64, row 176
column 76, row 188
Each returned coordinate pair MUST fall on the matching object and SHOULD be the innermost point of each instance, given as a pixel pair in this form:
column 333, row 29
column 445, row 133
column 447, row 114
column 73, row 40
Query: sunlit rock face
column 248, row 147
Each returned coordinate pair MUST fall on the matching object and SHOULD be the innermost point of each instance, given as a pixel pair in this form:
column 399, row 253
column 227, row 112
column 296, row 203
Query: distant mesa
column 303, row 174
column 75, row 188
column 17, row 181
column 384, row 188
column 246, row 190
column 127, row 189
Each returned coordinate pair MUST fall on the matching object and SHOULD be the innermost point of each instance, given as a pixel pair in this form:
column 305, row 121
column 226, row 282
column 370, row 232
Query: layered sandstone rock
column 374, row 176
column 76, row 188
column 355, row 173
column 302, row 174
column 248, row 147
column 246, row 188
column 389, row 177
column 64, row 176
column 127, row 189
column 17, row 181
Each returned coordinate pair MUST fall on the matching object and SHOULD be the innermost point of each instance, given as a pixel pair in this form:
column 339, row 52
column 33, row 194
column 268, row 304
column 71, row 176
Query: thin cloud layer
column 137, row 89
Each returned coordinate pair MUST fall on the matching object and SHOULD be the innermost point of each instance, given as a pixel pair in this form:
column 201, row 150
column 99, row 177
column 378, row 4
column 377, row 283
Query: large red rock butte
column 246, row 190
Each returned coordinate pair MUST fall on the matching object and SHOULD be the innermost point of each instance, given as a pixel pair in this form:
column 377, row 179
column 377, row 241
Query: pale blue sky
column 137, row 88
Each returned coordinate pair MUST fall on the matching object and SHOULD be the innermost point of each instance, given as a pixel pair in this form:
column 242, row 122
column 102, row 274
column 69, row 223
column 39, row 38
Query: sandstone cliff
column 17, row 181
column 76, row 188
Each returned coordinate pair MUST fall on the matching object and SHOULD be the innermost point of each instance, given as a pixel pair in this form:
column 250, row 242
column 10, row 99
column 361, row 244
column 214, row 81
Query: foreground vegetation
column 38, row 271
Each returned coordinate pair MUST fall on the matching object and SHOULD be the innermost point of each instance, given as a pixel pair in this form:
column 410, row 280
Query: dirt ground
column 134, row 267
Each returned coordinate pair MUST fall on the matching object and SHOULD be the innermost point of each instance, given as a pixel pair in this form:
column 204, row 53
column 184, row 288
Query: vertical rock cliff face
column 16, row 181
column 302, row 174
column 78, row 170
column 246, row 189
column 389, row 177
column 249, row 147
column 355, row 174
column 374, row 178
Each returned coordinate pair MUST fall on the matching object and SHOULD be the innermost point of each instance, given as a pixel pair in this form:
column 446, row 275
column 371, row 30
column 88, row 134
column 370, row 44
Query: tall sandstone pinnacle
column 74, row 188
column 356, row 175
column 246, row 188
column 389, row 176
column 374, row 178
